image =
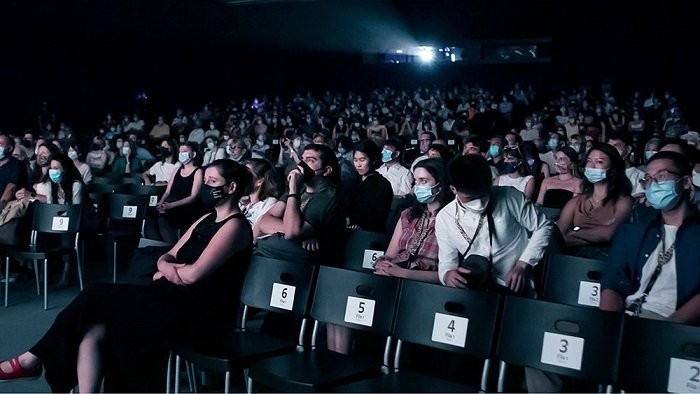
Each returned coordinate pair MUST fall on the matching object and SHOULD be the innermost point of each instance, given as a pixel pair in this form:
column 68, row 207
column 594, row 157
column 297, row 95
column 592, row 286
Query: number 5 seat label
column 684, row 376
column 562, row 350
column 359, row 311
column 282, row 296
column 451, row 330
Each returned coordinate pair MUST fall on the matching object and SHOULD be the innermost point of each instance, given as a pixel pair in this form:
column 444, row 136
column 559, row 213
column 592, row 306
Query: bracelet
column 292, row 195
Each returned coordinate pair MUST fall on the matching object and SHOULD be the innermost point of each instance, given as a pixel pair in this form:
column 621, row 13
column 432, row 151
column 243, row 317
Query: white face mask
column 477, row 205
column 126, row 151
column 696, row 178
column 210, row 145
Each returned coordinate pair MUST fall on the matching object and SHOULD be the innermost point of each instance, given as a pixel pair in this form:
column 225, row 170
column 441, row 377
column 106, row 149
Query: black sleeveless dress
column 143, row 321
column 183, row 216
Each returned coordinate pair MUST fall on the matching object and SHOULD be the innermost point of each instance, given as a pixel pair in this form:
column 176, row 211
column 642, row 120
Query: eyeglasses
column 661, row 176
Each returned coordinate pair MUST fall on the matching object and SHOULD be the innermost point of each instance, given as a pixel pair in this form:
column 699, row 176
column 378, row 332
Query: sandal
column 19, row 373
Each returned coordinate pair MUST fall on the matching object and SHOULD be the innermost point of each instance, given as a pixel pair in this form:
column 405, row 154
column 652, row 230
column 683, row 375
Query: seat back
column 362, row 248
column 579, row 342
column 550, row 213
column 659, row 356
column 278, row 285
column 357, row 300
column 127, row 207
column 107, row 179
column 573, row 280
column 154, row 192
column 448, row 318
column 56, row 218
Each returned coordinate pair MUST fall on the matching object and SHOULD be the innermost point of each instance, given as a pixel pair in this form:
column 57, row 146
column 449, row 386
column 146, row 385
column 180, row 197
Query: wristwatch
column 576, row 228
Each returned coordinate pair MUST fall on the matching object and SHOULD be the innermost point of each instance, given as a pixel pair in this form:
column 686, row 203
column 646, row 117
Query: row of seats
column 580, row 342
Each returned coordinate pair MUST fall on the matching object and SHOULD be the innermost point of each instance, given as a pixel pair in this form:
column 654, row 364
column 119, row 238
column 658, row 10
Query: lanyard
column 663, row 258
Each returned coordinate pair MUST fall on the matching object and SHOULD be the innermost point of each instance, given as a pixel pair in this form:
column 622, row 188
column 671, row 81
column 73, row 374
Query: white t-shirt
column 518, row 183
column 662, row 297
column 634, row 174
column 163, row 170
column 44, row 189
column 253, row 212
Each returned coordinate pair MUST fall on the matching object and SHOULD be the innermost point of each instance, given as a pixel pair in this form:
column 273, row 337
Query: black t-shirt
column 11, row 172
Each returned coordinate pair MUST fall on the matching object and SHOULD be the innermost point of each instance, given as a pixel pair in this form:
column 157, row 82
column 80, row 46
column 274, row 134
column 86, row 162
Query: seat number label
column 152, row 201
column 359, row 311
column 129, row 211
column 60, row 223
column 684, row 376
column 370, row 258
column 451, row 330
column 562, row 350
column 589, row 293
column 282, row 296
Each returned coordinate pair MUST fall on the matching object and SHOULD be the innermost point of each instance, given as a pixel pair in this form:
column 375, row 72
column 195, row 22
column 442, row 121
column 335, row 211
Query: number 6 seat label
column 449, row 329
column 562, row 350
column 282, row 296
column 359, row 311
column 684, row 376
column 371, row 257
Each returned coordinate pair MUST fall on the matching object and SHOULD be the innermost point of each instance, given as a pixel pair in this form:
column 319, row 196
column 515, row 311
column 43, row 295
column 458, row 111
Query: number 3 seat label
column 451, row 330
column 562, row 350
column 684, row 376
column 359, row 311
column 282, row 296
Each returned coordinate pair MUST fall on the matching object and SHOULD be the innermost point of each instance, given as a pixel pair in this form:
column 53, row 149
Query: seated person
column 211, row 151
column 515, row 173
column 126, row 164
column 399, row 176
column 265, row 192
column 121, row 333
column 413, row 251
column 11, row 170
column 589, row 220
column 306, row 224
column 367, row 202
column 161, row 172
column 557, row 190
column 74, row 154
column 63, row 183
column 654, row 268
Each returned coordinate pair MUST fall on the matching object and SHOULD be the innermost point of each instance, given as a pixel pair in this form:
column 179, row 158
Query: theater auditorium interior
column 344, row 139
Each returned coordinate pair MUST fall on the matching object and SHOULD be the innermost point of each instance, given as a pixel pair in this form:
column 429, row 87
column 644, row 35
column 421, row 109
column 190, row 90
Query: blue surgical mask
column 494, row 150
column 387, row 155
column 424, row 193
column 55, row 175
column 662, row 195
column 552, row 143
column 2, row 153
column 595, row 175
column 183, row 157
column 648, row 154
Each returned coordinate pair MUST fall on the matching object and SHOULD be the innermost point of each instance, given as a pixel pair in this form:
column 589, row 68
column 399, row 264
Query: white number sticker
column 129, row 211
column 414, row 142
column 371, row 257
column 152, row 201
column 275, row 142
column 562, row 350
column 449, row 329
column 359, row 311
column 684, row 376
column 59, row 223
column 589, row 293
column 450, row 142
column 282, row 296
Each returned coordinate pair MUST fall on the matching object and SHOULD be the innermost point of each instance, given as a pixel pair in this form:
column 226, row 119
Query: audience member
column 399, row 176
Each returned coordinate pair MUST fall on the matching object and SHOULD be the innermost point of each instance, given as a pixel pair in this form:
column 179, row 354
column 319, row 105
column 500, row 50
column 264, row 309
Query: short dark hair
column 470, row 174
column 328, row 158
column 477, row 141
column 395, row 143
column 369, row 148
column 681, row 163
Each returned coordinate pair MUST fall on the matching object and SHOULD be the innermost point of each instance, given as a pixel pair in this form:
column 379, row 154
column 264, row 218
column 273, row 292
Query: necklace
column 461, row 230
column 421, row 233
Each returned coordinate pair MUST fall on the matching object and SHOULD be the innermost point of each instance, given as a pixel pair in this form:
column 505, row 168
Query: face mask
column 309, row 173
column 228, row 150
column 696, row 179
column 184, row 158
column 509, row 168
column 662, row 195
column 2, row 153
column 576, row 148
column 357, row 125
column 387, row 155
column 424, row 193
column 648, row 154
column 120, row 144
column 73, row 155
column 477, row 205
column 342, row 150
column 595, row 175
column 260, row 142
column 494, row 150
column 297, row 142
column 226, row 138
column 552, row 143
column 27, row 143
column 56, row 176
column 210, row 195
column 126, row 151
column 355, row 138
column 210, row 145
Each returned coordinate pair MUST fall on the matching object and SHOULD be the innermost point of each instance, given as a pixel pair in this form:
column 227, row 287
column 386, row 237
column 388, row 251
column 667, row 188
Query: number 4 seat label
column 684, row 376
column 451, row 330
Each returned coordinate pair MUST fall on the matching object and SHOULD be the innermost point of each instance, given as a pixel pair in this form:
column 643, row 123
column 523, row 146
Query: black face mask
column 211, row 195
column 27, row 143
column 164, row 152
column 309, row 174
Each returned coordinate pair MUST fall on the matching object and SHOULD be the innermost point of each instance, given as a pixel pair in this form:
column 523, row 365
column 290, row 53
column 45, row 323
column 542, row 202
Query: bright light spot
column 399, row 51
column 426, row 54
column 453, row 58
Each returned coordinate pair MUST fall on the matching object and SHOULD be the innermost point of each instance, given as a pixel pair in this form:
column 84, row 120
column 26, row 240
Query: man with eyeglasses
column 424, row 140
column 654, row 267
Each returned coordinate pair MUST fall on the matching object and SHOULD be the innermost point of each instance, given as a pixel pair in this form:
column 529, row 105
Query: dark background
column 89, row 57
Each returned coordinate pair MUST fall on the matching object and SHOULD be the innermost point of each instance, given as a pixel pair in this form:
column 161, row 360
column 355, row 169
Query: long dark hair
column 618, row 185
column 436, row 168
column 70, row 176
column 237, row 173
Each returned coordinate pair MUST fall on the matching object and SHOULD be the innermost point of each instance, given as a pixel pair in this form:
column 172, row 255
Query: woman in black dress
column 122, row 333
